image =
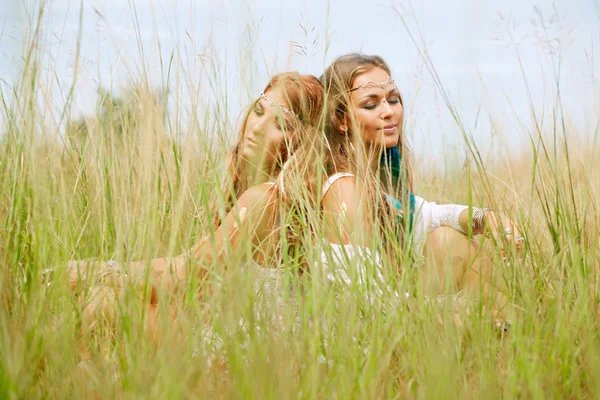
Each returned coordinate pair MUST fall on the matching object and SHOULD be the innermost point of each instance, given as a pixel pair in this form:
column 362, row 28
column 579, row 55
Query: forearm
column 431, row 216
column 163, row 272
column 193, row 262
column 169, row 271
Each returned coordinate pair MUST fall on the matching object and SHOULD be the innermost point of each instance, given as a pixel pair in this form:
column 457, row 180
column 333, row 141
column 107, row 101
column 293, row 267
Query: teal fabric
column 392, row 159
column 397, row 204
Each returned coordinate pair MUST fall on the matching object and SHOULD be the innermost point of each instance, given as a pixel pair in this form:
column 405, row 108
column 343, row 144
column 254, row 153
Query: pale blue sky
column 468, row 41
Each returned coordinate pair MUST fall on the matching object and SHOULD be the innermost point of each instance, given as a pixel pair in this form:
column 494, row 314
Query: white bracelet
column 478, row 219
column 113, row 267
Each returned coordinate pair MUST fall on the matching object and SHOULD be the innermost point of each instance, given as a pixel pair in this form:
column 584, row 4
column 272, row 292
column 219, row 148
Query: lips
column 389, row 128
column 251, row 141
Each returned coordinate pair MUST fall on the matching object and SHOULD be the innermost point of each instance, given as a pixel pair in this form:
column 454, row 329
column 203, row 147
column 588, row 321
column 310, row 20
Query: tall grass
column 126, row 185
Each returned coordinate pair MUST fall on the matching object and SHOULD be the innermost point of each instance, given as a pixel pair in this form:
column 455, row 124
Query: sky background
column 479, row 49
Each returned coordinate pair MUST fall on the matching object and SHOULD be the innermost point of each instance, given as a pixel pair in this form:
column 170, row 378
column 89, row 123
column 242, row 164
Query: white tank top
column 331, row 180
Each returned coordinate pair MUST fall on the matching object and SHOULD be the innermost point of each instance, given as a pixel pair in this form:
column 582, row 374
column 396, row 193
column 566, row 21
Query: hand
column 82, row 271
column 500, row 225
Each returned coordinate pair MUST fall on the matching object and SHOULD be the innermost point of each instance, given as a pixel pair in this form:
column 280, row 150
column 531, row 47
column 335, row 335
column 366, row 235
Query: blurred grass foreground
column 125, row 183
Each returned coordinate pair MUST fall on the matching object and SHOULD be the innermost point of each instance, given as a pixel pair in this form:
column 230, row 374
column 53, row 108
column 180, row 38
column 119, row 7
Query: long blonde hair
column 345, row 144
column 338, row 79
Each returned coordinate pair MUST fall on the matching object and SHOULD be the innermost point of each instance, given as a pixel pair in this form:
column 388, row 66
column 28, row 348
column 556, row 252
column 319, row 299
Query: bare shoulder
column 343, row 212
column 342, row 193
column 258, row 196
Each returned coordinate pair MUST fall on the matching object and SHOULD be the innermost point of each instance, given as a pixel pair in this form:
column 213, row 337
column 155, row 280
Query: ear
column 343, row 125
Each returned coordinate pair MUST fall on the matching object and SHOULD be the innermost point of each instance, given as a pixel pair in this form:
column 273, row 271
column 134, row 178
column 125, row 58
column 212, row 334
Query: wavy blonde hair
column 347, row 151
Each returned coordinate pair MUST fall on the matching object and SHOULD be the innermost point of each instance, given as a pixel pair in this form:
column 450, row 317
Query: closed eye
column 393, row 96
column 258, row 110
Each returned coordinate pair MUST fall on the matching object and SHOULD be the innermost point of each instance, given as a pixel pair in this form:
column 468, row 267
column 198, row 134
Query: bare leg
column 102, row 307
column 460, row 264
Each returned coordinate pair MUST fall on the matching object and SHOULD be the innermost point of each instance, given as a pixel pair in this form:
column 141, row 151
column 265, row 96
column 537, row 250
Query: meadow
column 124, row 184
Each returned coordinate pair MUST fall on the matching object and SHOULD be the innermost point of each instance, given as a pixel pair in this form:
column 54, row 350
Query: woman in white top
column 283, row 120
column 369, row 152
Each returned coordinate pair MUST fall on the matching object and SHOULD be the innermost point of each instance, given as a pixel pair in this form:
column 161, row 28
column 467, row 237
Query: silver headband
column 281, row 106
column 371, row 84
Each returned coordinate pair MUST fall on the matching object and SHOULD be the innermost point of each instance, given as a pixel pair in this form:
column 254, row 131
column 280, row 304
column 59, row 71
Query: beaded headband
column 371, row 84
column 281, row 106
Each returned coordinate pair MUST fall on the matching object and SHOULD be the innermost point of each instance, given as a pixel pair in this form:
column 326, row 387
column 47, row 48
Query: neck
column 390, row 184
column 255, row 175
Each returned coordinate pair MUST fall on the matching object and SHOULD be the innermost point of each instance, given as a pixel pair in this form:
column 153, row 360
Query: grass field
column 125, row 185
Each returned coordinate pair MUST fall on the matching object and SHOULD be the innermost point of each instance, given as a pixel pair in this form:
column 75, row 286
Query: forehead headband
column 283, row 108
column 371, row 84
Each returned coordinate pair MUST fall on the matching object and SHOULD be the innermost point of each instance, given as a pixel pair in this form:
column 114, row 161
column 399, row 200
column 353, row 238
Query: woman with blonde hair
column 370, row 156
column 279, row 131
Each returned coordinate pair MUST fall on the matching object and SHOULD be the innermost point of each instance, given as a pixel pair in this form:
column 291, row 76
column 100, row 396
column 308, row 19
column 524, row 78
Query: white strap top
column 428, row 215
column 331, row 180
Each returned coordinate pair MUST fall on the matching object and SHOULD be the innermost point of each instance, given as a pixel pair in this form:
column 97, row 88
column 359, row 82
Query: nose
column 257, row 128
column 387, row 110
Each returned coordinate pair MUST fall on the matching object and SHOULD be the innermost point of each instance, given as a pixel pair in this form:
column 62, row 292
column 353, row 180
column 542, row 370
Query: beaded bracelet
column 113, row 267
column 478, row 219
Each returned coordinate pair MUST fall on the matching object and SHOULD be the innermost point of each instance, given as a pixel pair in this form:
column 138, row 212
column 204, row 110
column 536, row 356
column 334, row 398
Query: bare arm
column 431, row 216
column 250, row 220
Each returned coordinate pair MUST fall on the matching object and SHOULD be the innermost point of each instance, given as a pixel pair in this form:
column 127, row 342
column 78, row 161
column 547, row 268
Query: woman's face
column 378, row 109
column 266, row 130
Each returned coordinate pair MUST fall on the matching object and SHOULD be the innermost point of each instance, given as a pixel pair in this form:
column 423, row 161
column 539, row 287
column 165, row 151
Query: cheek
column 400, row 112
column 368, row 124
column 250, row 123
column 366, row 119
column 250, row 120
column 275, row 142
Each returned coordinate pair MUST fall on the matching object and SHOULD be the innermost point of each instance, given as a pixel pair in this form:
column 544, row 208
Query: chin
column 247, row 153
column 391, row 142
